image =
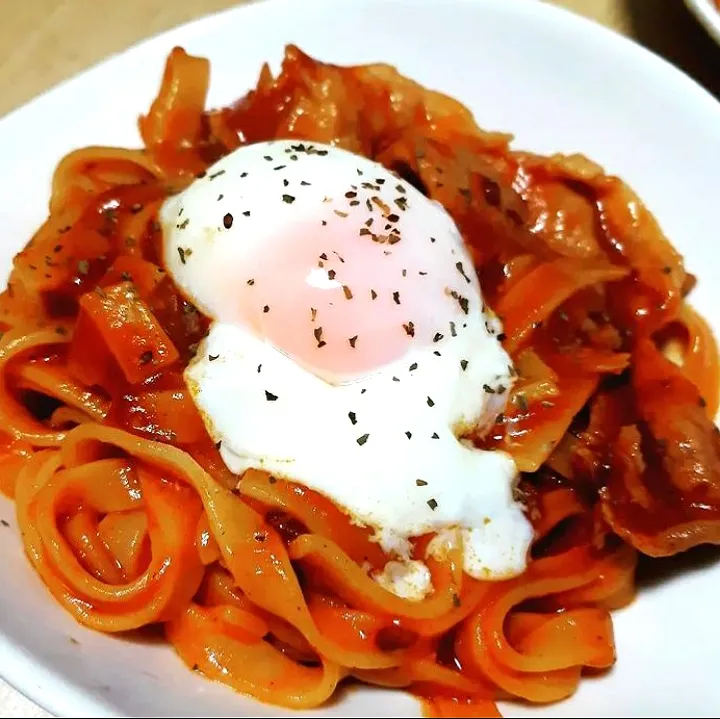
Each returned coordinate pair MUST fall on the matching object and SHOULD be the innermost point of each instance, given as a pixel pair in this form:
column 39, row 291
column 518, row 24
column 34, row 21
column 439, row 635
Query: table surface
column 45, row 41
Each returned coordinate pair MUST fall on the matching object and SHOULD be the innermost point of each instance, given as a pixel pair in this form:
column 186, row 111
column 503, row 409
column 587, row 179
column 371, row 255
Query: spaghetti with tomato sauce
column 131, row 516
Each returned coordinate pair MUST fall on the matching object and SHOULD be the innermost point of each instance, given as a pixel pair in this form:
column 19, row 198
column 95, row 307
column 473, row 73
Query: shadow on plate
column 670, row 30
column 152, row 634
column 655, row 572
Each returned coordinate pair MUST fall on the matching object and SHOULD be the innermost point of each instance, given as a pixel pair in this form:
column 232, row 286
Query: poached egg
column 350, row 349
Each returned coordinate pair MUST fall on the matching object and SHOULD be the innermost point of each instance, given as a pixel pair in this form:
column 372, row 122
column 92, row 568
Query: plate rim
column 23, row 671
column 707, row 16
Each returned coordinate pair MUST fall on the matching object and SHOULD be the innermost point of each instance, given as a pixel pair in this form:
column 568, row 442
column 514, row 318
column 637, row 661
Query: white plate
column 707, row 12
column 561, row 84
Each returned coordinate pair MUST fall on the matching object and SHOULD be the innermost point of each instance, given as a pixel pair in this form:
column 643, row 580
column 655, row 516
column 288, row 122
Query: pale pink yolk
column 343, row 300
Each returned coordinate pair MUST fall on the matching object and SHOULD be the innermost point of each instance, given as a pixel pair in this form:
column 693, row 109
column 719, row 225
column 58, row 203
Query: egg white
column 385, row 445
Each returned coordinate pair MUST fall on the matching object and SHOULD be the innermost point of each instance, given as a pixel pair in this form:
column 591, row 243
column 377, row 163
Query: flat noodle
column 130, row 517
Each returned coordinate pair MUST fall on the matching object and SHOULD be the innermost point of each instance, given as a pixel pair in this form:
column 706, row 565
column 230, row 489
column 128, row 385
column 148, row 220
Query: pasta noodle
column 130, row 517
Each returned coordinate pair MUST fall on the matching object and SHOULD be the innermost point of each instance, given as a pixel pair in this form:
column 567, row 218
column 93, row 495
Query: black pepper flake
column 280, row 167
column 216, row 174
column 369, row 221
column 521, row 401
column 63, row 331
column 354, row 203
column 266, row 309
column 363, row 390
column 380, row 180
column 437, row 353
column 228, row 221
column 220, row 196
column 181, row 252
column 364, row 232
column 323, row 256
column 146, row 357
column 456, row 600
column 409, row 328
column 351, row 195
column 353, row 417
column 57, row 248
column 435, row 435
column 342, row 260
column 313, row 314
column 400, row 188
column 396, row 298
column 243, row 174
column 432, row 503
column 288, row 198
column 4, row 522
column 430, row 402
column 488, row 389
column 324, row 222
column 317, row 332
column 461, row 270
column 453, row 331
column 361, row 440
column 272, row 480
column 347, row 292
column 408, row 435
column 212, row 358
column 393, row 239
column 438, row 336
column 463, row 364
column 368, row 204
column 339, row 213
column 413, row 367
column 259, row 368
column 667, row 270
column 304, row 183
column 401, row 202
column 268, row 158
column 331, row 274
column 251, row 282
column 270, row 397
column 246, row 213
column 373, row 294
column 352, row 340
column 501, row 337
column 393, row 218
column 260, row 536
column 462, row 301
column 404, row 273
column 421, row 483
column 432, row 239
column 286, row 182
column 702, row 402
column 65, row 229
column 293, row 157
column 395, row 379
